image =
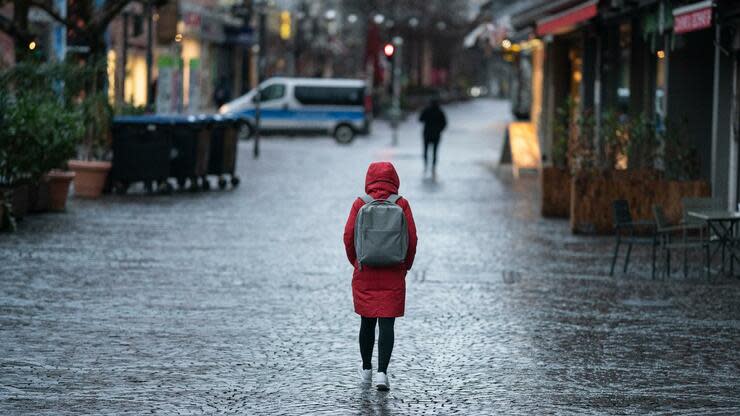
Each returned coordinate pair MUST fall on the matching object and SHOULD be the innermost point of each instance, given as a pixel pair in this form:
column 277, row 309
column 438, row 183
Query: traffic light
column 285, row 28
column 389, row 50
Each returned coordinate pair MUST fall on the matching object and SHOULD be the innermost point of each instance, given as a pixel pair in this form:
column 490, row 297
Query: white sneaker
column 366, row 376
column 383, row 383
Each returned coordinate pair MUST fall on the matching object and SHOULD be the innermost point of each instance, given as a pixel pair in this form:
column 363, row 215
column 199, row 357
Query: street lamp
column 378, row 18
column 260, row 51
column 413, row 22
column 330, row 14
column 352, row 18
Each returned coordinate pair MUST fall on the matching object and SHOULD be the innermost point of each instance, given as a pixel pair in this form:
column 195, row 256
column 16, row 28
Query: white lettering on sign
column 695, row 20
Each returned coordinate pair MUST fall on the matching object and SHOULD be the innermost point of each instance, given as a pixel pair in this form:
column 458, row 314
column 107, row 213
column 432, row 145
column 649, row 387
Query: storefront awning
column 565, row 19
column 693, row 17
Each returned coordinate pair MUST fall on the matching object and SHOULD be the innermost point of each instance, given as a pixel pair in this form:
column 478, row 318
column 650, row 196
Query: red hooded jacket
column 380, row 292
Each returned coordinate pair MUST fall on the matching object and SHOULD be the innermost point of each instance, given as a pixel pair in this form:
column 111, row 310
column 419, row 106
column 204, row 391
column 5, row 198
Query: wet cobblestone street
column 239, row 302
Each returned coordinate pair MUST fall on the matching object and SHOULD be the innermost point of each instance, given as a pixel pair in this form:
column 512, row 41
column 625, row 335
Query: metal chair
column 625, row 228
column 702, row 204
column 683, row 236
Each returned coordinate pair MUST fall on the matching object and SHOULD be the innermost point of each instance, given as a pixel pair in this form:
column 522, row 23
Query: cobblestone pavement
column 239, row 302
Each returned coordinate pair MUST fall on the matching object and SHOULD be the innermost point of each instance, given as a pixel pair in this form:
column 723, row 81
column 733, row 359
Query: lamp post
column 260, row 49
column 396, row 103
column 149, row 56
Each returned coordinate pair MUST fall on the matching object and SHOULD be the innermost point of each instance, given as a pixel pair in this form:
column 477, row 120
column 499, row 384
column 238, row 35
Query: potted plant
column 17, row 149
column 91, row 168
column 59, row 136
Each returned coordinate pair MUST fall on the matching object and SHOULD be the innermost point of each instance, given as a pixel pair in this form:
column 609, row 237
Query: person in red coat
column 379, row 293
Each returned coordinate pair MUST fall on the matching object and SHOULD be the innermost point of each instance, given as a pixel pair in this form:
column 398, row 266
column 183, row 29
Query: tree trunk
column 20, row 21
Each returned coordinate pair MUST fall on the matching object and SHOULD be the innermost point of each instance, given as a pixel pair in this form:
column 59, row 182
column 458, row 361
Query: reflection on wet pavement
column 239, row 302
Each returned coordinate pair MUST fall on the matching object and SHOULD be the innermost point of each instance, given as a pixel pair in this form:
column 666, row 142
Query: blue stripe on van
column 312, row 115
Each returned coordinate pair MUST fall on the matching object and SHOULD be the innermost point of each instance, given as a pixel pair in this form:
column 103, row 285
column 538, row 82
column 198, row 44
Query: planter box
column 592, row 194
column 555, row 192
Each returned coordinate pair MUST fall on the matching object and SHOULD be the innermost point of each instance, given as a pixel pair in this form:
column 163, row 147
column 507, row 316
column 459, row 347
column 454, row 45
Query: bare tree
column 85, row 21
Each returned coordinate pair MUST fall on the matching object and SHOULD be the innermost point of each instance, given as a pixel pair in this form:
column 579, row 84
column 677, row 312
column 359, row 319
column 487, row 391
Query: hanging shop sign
column 565, row 20
column 693, row 17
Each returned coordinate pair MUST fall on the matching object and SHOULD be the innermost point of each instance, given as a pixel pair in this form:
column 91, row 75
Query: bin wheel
column 193, row 185
column 165, row 187
column 235, row 181
column 205, row 184
column 221, row 182
column 181, row 183
column 121, row 188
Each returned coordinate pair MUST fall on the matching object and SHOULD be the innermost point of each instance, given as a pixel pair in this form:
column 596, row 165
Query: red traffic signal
column 389, row 49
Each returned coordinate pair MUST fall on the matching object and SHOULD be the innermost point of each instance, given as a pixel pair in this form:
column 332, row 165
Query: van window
column 310, row 95
column 271, row 92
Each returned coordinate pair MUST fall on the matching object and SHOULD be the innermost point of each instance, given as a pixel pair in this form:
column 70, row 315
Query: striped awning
column 566, row 19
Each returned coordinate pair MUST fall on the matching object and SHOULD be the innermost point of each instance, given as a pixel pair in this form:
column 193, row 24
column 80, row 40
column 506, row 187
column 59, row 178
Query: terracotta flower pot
column 58, row 188
column 90, row 177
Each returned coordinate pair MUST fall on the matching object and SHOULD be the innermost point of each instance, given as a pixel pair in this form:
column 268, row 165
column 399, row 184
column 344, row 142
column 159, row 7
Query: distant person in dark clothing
column 222, row 94
column 434, row 122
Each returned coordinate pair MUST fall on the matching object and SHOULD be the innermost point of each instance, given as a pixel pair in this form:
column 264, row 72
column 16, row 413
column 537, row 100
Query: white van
column 306, row 105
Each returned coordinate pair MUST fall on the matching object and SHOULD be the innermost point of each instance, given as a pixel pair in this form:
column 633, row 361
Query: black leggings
column 385, row 342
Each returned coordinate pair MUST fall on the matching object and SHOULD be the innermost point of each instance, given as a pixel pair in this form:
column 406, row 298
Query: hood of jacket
column 381, row 180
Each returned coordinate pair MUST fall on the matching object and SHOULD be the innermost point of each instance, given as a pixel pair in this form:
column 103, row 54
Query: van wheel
column 244, row 132
column 344, row 134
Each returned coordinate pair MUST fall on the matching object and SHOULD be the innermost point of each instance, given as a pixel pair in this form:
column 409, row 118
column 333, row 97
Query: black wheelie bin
column 190, row 149
column 141, row 152
column 224, row 148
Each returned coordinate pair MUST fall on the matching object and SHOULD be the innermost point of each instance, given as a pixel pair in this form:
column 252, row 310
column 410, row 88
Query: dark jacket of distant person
column 434, row 121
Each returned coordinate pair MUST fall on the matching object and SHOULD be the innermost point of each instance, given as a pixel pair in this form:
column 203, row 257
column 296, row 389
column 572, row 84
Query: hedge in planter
column 555, row 179
column 593, row 194
column 555, row 192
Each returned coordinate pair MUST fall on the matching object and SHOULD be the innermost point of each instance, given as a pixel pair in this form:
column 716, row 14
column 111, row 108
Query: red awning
column 692, row 17
column 565, row 19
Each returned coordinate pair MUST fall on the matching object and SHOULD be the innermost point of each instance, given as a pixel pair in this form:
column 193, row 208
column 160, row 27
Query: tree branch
column 11, row 29
column 46, row 7
column 108, row 12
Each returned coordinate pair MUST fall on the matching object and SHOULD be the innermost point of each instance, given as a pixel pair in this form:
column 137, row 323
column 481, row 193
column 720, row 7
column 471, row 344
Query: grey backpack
column 381, row 233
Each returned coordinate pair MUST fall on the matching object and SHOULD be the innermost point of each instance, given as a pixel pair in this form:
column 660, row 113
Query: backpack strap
column 393, row 198
column 367, row 199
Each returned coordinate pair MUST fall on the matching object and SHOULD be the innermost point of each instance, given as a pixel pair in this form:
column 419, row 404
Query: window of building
column 625, row 55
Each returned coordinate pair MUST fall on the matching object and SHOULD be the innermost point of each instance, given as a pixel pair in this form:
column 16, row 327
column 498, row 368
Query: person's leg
column 385, row 343
column 435, row 145
column 425, row 148
column 367, row 341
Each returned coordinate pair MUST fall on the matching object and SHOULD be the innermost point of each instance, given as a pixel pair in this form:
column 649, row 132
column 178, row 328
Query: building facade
column 675, row 62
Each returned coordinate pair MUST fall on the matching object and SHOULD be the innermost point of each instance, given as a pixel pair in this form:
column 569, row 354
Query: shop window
column 660, row 90
column 625, row 55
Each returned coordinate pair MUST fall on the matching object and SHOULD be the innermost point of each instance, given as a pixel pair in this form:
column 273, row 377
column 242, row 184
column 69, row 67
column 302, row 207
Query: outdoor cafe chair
column 628, row 232
column 683, row 236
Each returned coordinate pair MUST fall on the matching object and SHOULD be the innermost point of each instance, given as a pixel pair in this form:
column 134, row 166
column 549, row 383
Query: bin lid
column 162, row 119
